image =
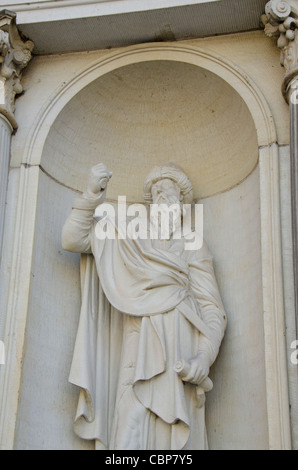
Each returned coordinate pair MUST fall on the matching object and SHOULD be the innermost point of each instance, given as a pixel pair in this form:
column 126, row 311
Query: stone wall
column 218, row 130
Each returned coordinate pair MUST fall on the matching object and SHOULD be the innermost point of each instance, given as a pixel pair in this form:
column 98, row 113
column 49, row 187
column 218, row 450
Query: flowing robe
column 145, row 305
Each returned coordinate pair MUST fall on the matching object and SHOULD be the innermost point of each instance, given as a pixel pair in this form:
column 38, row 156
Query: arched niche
column 150, row 113
column 132, row 109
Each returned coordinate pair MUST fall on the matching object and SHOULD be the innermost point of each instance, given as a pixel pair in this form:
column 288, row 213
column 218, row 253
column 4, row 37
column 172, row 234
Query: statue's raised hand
column 98, row 179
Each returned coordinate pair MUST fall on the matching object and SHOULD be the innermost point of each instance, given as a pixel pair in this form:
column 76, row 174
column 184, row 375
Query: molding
column 278, row 408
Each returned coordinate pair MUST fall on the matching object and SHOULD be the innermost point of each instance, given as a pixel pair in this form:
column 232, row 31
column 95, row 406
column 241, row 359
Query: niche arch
column 263, row 170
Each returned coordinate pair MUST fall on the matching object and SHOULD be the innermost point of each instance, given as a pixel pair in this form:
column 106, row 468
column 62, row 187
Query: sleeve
column 204, row 286
column 76, row 232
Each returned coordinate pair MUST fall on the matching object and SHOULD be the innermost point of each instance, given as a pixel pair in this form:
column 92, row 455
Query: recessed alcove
column 132, row 118
column 150, row 113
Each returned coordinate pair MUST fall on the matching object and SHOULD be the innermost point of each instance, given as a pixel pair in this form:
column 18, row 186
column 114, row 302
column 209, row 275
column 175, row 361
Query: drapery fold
column 96, row 358
column 131, row 277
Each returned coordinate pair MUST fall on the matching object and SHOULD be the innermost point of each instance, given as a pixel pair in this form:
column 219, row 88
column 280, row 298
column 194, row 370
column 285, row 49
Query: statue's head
column 164, row 179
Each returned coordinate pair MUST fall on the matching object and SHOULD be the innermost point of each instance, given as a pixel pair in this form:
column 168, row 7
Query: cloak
column 131, row 277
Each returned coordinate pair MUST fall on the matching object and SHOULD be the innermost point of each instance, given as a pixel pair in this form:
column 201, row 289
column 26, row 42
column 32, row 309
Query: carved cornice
column 281, row 21
column 15, row 55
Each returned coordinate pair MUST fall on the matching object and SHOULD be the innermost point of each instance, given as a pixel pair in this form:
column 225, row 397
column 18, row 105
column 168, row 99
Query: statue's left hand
column 199, row 367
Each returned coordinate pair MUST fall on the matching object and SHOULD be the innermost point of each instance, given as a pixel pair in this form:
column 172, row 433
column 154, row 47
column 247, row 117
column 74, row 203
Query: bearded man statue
column 150, row 328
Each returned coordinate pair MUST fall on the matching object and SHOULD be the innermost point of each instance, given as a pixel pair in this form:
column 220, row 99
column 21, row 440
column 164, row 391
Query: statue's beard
column 164, row 222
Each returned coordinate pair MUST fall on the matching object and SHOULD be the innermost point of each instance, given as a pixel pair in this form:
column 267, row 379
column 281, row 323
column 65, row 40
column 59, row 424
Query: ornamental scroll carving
column 15, row 54
column 281, row 21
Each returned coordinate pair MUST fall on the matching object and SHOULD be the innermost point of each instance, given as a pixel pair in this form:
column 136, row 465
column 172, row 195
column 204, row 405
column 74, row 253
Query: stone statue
column 151, row 325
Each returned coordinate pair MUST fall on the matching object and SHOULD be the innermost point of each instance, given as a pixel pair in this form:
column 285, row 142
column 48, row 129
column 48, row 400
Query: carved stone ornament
column 15, row 55
column 281, row 21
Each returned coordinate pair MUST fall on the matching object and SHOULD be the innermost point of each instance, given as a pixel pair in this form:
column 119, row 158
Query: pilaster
column 281, row 21
column 15, row 55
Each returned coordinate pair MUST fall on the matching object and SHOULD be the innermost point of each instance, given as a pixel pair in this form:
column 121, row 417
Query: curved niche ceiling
column 151, row 113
